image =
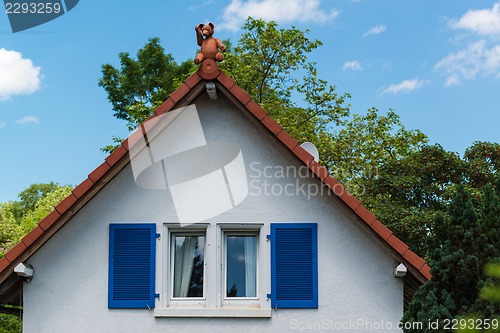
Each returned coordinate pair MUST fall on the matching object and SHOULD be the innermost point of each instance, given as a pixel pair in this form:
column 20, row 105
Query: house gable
column 354, row 276
column 118, row 160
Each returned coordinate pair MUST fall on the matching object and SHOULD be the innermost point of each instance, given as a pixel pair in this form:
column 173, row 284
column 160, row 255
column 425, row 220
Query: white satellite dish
column 311, row 149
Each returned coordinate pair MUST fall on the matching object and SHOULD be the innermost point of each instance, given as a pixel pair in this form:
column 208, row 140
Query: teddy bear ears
column 201, row 25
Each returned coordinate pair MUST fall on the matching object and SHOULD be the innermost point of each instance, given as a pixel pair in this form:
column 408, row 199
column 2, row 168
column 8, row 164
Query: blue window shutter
column 131, row 266
column 294, row 265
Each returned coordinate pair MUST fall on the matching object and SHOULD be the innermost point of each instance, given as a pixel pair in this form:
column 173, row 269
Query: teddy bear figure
column 210, row 46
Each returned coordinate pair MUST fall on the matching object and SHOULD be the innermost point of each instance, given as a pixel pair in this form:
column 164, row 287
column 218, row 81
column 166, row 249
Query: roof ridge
column 118, row 158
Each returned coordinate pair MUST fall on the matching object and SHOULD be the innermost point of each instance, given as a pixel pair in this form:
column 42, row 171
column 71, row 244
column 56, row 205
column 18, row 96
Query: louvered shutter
column 131, row 266
column 294, row 265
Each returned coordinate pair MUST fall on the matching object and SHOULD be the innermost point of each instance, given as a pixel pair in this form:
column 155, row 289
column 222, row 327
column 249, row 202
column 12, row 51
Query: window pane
column 241, row 254
column 189, row 256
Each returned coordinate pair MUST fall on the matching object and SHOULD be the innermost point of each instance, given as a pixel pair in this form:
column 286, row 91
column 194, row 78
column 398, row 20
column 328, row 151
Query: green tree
column 367, row 143
column 44, row 206
column 17, row 218
column 29, row 197
column 482, row 163
column 10, row 324
column 268, row 62
column 408, row 191
column 265, row 63
column 462, row 243
column 10, row 230
column 389, row 167
column 141, row 84
column 265, row 60
column 491, row 291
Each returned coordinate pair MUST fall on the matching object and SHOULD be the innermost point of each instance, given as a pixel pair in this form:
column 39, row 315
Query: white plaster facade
column 357, row 290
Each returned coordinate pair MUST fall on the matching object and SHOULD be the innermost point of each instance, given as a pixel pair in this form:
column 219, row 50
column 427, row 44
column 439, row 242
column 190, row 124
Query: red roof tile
column 272, row 125
column 116, row 156
column 179, row 93
column 226, row 80
column 365, row 215
column 319, row 170
column 82, row 188
column 415, row 260
column 381, row 229
column 32, row 236
column 15, row 251
column 350, row 200
column 164, row 107
column 49, row 220
column 99, row 172
column 136, row 136
column 426, row 271
column 193, row 80
column 241, row 95
column 334, row 185
column 256, row 110
column 287, row 140
column 209, row 71
column 397, row 245
column 4, row 263
column 303, row 155
column 66, row 204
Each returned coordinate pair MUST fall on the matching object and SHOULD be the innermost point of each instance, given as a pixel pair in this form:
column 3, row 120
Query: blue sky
column 437, row 63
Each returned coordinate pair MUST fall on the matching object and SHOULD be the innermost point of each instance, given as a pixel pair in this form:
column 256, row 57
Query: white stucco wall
column 70, row 287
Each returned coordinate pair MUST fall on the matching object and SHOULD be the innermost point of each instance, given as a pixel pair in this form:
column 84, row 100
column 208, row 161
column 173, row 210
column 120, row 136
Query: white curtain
column 183, row 266
column 250, row 245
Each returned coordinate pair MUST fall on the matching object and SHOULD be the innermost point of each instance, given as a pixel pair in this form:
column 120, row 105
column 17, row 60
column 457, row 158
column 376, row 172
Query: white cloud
column 378, row 29
column 405, row 86
column 353, row 65
column 476, row 59
column 18, row 75
column 481, row 21
column 201, row 5
column 2, row 124
column 276, row 10
column 27, row 120
column 452, row 80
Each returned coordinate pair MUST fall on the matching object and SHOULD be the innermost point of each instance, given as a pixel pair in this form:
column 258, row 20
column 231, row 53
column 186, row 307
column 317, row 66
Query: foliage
column 17, row 218
column 143, row 83
column 44, row 206
column 366, row 144
column 266, row 63
column 390, row 168
column 265, row 59
column 20, row 217
column 10, row 324
column 10, row 230
column 409, row 190
column 492, row 289
column 29, row 197
column 461, row 244
column 483, row 161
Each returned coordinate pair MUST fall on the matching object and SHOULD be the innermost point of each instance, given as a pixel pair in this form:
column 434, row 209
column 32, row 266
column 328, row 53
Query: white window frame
column 167, row 276
column 171, row 264
column 214, row 303
column 254, row 300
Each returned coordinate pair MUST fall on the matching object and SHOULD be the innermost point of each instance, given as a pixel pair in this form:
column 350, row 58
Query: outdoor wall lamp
column 24, row 270
column 400, row 271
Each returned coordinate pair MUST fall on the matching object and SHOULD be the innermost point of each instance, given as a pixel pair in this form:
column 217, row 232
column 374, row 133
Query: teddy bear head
column 207, row 29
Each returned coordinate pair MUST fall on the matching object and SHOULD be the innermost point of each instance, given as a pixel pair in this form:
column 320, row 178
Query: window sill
column 212, row 313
